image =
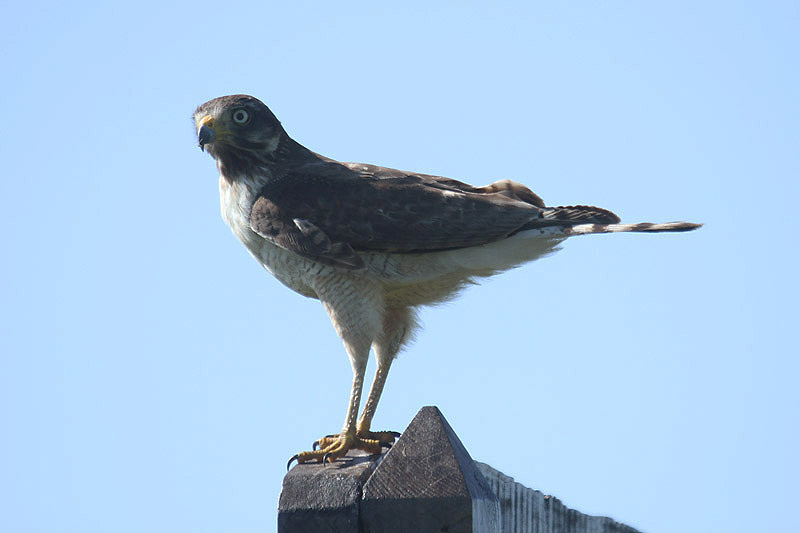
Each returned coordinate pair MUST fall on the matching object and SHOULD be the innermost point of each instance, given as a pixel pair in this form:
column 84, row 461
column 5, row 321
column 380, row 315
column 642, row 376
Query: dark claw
column 289, row 464
column 325, row 458
column 385, row 445
column 395, row 433
column 315, row 445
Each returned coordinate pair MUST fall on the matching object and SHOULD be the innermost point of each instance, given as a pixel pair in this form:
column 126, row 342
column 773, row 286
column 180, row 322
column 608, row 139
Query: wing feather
column 300, row 236
column 328, row 211
column 375, row 209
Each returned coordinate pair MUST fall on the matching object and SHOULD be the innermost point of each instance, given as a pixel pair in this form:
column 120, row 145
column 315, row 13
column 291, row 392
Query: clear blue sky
column 154, row 378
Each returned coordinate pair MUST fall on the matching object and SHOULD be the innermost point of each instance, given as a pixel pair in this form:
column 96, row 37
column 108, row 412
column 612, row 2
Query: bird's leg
column 333, row 447
column 357, row 326
column 362, row 430
column 398, row 327
column 367, row 440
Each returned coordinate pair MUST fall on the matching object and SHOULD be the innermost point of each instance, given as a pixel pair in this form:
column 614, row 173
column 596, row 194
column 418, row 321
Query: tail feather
column 643, row 227
column 573, row 214
column 587, row 219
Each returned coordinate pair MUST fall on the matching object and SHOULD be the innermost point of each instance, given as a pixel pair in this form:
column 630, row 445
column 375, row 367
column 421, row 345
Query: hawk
column 373, row 244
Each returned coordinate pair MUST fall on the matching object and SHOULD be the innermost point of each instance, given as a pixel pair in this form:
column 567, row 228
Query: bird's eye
column 241, row 117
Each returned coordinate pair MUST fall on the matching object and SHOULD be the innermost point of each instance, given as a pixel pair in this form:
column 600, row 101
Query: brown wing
column 508, row 188
column 301, row 236
column 370, row 208
column 328, row 211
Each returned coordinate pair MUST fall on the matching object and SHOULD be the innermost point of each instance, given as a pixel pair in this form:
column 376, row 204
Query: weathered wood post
column 426, row 482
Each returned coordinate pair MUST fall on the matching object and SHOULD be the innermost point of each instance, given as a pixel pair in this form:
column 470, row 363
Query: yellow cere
column 207, row 120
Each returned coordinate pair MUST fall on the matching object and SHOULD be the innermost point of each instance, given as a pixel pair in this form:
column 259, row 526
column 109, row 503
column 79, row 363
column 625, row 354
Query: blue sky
column 154, row 378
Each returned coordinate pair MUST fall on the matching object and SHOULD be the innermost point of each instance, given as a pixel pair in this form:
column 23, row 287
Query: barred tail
column 644, row 227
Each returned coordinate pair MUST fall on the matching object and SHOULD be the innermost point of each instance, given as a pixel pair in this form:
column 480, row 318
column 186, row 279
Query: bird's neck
column 237, row 166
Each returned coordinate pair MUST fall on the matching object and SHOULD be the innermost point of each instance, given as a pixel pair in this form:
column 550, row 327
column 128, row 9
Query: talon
column 395, row 433
column 331, row 448
column 289, row 464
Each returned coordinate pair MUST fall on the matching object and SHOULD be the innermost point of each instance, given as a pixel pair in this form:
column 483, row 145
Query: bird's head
column 238, row 128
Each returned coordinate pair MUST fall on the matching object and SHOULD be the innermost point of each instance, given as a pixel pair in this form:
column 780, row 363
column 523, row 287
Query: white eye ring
column 240, row 116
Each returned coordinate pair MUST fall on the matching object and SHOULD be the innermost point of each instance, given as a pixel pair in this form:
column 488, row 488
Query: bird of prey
column 372, row 244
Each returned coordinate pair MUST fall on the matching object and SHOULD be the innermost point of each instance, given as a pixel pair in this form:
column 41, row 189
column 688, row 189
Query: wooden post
column 426, row 482
column 525, row 509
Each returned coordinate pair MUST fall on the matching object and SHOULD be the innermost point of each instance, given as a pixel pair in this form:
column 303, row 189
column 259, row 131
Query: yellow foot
column 333, row 447
column 384, row 439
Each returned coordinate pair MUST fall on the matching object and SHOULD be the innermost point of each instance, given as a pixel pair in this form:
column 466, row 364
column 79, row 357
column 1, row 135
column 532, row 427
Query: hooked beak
column 206, row 133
